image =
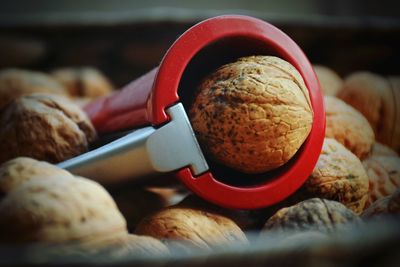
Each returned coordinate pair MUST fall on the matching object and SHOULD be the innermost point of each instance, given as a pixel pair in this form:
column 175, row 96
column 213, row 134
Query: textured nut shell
column 20, row 170
column 60, row 210
column 384, row 206
column 15, row 83
column 196, row 228
column 379, row 149
column 313, row 214
column 372, row 95
column 384, row 176
column 136, row 203
column 139, row 245
column 329, row 80
column 252, row 115
column 339, row 175
column 84, row 82
column 348, row 126
column 44, row 127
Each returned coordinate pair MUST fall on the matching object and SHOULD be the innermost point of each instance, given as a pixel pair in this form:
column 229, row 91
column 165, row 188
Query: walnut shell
column 252, row 115
column 57, row 209
column 379, row 149
column 137, row 245
column 339, row 175
column 16, row 82
column 384, row 176
column 378, row 99
column 19, row 170
column 192, row 228
column 44, row 127
column 348, row 126
column 311, row 215
column 83, row 82
column 135, row 203
column 388, row 205
column 329, row 80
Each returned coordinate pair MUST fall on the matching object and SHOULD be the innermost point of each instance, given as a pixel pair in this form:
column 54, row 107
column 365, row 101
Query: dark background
column 127, row 38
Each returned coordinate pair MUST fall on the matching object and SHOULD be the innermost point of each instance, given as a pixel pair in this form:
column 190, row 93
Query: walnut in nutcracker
column 17, row 82
column 84, row 82
column 378, row 99
column 384, row 176
column 348, row 126
column 329, row 80
column 252, row 115
column 45, row 127
column 339, row 175
column 314, row 214
column 189, row 228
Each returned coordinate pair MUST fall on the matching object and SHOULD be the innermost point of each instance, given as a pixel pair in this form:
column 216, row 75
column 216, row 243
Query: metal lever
column 144, row 152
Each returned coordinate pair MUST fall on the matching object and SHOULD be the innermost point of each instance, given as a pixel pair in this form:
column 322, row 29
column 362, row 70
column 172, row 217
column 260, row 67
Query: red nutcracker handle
column 154, row 101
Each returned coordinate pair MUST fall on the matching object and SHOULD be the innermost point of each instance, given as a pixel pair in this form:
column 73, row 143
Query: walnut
column 384, row 176
column 55, row 208
column 16, row 82
column 135, row 203
column 252, row 115
column 329, row 80
column 83, row 82
column 45, row 127
column 136, row 245
column 339, row 175
column 311, row 215
column 384, row 206
column 379, row 149
column 378, row 99
column 188, row 228
column 348, row 126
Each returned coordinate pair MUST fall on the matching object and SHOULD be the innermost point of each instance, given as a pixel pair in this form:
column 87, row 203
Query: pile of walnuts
column 251, row 115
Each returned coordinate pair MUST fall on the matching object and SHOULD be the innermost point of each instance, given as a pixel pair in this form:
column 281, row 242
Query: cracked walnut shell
column 348, row 126
column 252, row 115
column 55, row 208
column 44, row 127
column 16, row 82
column 339, row 175
column 311, row 215
column 188, row 228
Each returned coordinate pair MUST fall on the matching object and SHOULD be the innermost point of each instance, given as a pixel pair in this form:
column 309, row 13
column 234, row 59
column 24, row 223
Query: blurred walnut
column 136, row 203
column 348, row 126
column 188, row 228
column 384, row 176
column 339, row 175
column 53, row 207
column 329, row 80
column 388, row 205
column 245, row 219
column 83, row 82
column 15, row 83
column 136, row 245
column 20, row 170
column 311, row 215
column 252, row 115
column 45, row 127
column 379, row 149
column 378, row 99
